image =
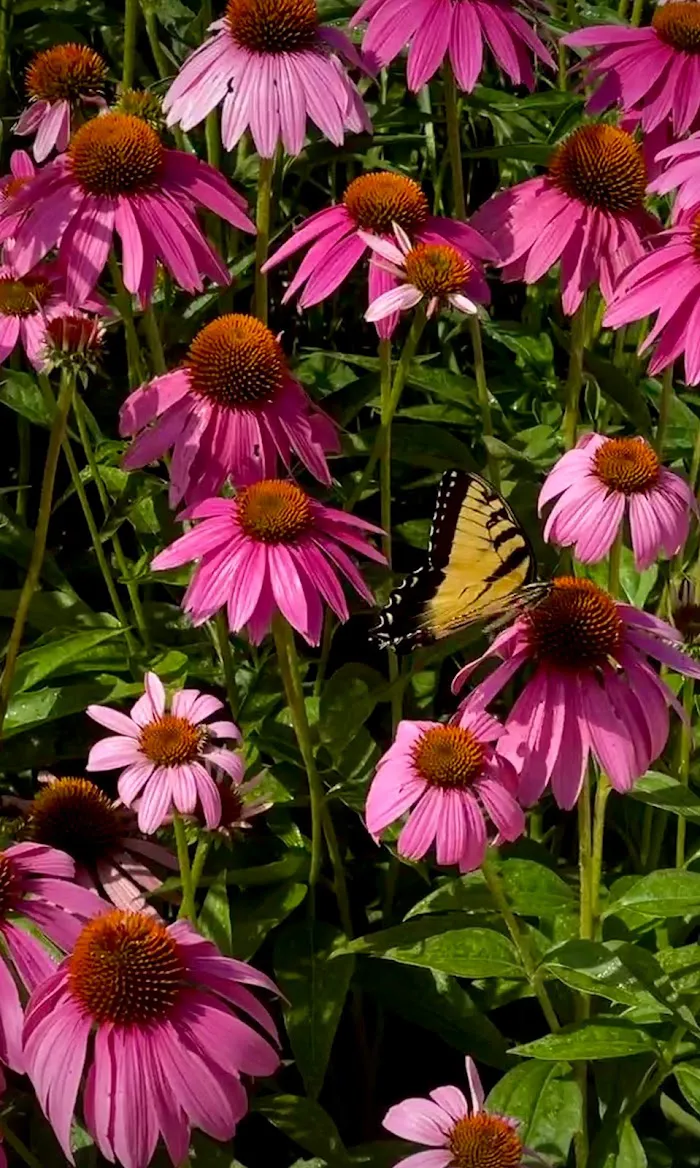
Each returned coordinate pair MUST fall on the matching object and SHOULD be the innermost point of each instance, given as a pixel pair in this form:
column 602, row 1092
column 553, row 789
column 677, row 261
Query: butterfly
column 480, row 565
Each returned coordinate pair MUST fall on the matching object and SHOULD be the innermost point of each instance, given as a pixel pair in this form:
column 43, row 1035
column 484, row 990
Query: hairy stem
column 262, row 239
column 574, row 381
column 454, row 143
column 614, row 561
column 684, row 750
column 188, row 908
column 483, row 397
column 664, row 410
column 131, row 15
column 227, row 663
column 122, row 297
column 385, row 497
column 155, row 343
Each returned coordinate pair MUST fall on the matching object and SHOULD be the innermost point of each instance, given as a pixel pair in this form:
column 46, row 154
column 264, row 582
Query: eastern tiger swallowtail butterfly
column 480, row 565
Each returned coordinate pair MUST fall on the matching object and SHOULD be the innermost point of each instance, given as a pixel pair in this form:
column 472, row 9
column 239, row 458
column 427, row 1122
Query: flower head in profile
column 73, row 340
column 76, row 817
column 449, row 28
column 162, row 747
column 151, row 1016
column 460, row 1133
column 434, row 273
column 452, row 781
column 685, row 612
column 60, row 81
column 273, row 65
column 593, row 690
column 238, row 809
column 232, row 410
column 28, row 306
column 116, row 176
column 337, row 239
column 603, row 481
column 586, row 214
column 271, row 549
column 653, row 72
column 36, row 889
column 141, row 103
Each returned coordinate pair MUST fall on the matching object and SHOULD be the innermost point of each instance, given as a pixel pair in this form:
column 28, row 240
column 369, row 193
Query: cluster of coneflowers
column 146, row 1022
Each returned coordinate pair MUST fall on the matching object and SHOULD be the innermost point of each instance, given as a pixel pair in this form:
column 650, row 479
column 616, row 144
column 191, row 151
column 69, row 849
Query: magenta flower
column 666, row 282
column 586, row 214
column 653, row 72
column 592, row 691
column 22, row 169
column 163, row 747
column 231, row 410
column 601, row 482
column 457, row 1132
column 272, row 548
column 434, row 29
column 451, row 779
column 3, row 1157
column 681, row 172
column 117, row 176
column 36, row 886
column 338, row 238
column 59, row 81
column 272, row 69
column 432, row 272
column 157, row 1032
column 28, row 303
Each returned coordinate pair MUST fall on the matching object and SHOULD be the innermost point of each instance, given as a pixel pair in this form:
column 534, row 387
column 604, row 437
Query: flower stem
column 684, row 749
column 6, row 13
column 695, row 462
column 385, row 498
column 212, row 134
column 18, row 1147
column 521, row 942
column 454, row 144
column 188, row 907
column 227, row 663
column 200, row 859
column 122, row 297
column 155, row 344
column 482, row 393
column 583, row 1002
column 614, row 561
column 161, row 61
column 601, row 800
column 574, row 381
column 340, row 886
column 131, row 13
column 664, row 410
column 36, row 560
column 24, row 467
column 288, row 662
column 262, row 239
column 637, row 11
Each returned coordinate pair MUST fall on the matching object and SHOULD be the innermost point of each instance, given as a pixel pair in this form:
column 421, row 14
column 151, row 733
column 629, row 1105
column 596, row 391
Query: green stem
column 137, row 373
column 614, row 561
column 155, row 344
column 574, row 381
column 131, row 14
column 425, row 107
column 601, row 800
column 17, row 1146
column 623, row 9
column 24, row 466
column 6, row 9
column 59, row 427
column 288, row 663
column 200, row 859
column 483, row 397
column 385, row 498
column 227, row 663
column 521, row 942
column 664, row 410
column 187, row 908
column 684, row 749
column 212, row 135
column 695, row 462
column 340, row 885
column 454, row 142
column 162, row 63
column 586, row 927
column 262, row 239
column 637, row 12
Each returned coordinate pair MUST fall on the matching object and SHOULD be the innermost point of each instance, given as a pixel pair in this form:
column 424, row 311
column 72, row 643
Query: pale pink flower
column 272, row 69
column 681, row 173
column 60, row 80
column 157, row 1035
column 232, row 410
column 602, row 482
column 163, row 747
column 117, row 176
column 271, row 549
column 36, row 887
column 458, row 1132
column 653, row 72
column 436, row 29
column 452, row 781
column 586, row 214
column 431, row 272
column 28, row 303
column 337, row 240
column 592, row 692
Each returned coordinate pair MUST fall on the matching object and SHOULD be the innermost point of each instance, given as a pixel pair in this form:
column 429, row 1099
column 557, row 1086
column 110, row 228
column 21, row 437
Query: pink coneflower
column 28, row 303
column 272, row 548
column 237, row 809
column 451, row 780
column 273, row 65
column 459, row 1134
column 652, row 72
column 681, row 171
column 117, row 176
column 3, row 1157
column 231, row 410
column 22, row 169
column 587, row 214
column 602, row 481
column 593, row 690
column 338, row 239
column 432, row 272
column 76, row 817
column 667, row 282
column 59, row 81
column 437, row 28
column 152, row 1015
column 36, row 886
column 163, row 747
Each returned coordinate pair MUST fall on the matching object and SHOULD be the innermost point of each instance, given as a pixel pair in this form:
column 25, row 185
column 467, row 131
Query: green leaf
column 659, row 790
column 442, row 946
column 214, row 920
column 547, row 1102
column 688, row 1078
column 666, row 893
column 16, row 542
column 347, row 700
column 51, row 610
column 37, row 664
column 305, row 1122
column 48, row 705
column 630, row 1152
column 531, row 888
column 603, row 1038
column 22, row 394
column 598, row 968
column 255, row 914
column 315, row 989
